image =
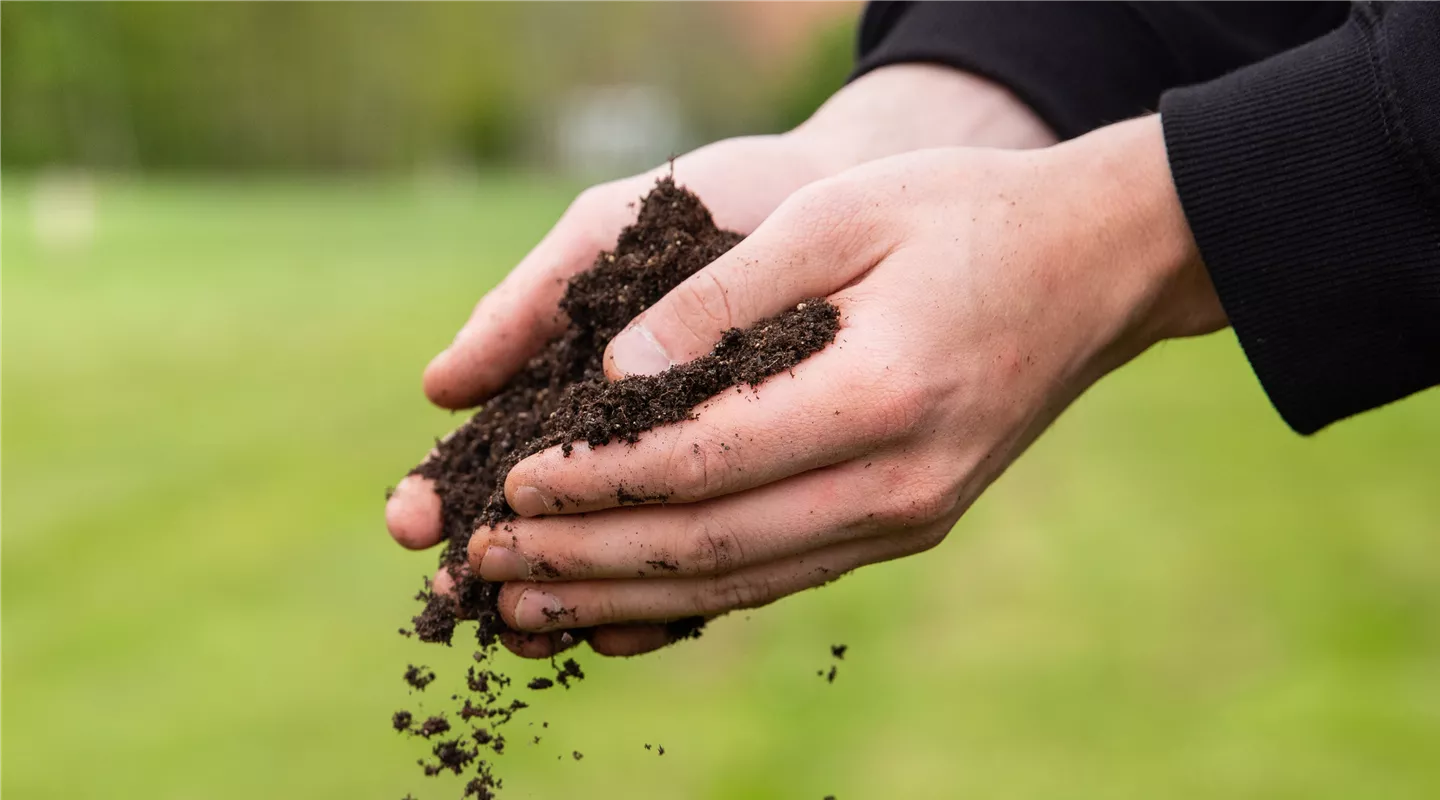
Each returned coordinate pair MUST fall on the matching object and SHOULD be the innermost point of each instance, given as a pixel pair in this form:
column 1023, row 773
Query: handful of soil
column 562, row 396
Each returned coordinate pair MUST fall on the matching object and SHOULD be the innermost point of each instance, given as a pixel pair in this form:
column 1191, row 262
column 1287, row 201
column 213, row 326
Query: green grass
column 1170, row 596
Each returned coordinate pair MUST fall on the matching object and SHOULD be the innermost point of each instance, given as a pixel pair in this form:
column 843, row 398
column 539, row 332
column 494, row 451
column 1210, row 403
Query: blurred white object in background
column 62, row 210
column 607, row 131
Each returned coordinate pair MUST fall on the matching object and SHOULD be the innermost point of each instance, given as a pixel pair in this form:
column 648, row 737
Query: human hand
column 980, row 292
column 892, row 110
column 741, row 180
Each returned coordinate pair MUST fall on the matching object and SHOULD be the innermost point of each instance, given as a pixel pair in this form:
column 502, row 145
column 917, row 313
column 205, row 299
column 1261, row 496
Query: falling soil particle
column 567, row 672
column 434, row 726
column 418, row 677
column 450, row 755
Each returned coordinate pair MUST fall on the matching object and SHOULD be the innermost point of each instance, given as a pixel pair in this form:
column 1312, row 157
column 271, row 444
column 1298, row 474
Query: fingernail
column 635, row 352
column 531, row 502
column 538, row 610
column 499, row 564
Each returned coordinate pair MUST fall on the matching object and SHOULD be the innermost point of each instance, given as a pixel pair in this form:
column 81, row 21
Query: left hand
column 980, row 293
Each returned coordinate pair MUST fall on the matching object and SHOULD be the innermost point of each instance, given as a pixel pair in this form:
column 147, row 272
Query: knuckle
column 583, row 208
column 586, row 222
column 700, row 466
column 929, row 537
column 590, row 199
column 729, row 593
column 934, row 501
column 900, row 411
column 895, row 405
column 710, row 546
column 704, row 306
column 920, row 501
column 830, row 200
column 836, row 211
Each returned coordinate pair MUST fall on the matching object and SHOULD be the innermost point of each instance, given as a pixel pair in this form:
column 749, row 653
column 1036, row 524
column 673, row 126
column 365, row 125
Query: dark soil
column 560, row 397
column 418, row 677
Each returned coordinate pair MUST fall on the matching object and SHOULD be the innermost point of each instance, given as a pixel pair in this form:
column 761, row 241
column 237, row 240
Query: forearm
column 1116, row 205
column 908, row 107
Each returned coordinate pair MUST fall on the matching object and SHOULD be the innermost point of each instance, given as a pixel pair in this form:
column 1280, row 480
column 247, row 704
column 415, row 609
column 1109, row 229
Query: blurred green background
column 232, row 235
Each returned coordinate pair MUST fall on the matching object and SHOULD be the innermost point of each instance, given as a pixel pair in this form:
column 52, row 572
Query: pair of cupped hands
column 985, row 277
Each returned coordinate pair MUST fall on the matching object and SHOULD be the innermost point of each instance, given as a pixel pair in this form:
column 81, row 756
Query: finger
column 774, row 521
column 557, row 606
column 412, row 514
column 629, row 640
column 837, row 405
column 813, row 245
column 513, row 321
column 607, row 640
column 538, row 645
column 443, row 582
column 521, row 643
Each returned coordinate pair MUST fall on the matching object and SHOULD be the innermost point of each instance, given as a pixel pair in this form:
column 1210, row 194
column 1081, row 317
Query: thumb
column 816, row 243
column 512, row 322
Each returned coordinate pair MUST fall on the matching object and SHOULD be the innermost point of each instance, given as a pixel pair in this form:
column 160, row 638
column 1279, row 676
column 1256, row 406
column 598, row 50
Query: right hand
column 891, row 110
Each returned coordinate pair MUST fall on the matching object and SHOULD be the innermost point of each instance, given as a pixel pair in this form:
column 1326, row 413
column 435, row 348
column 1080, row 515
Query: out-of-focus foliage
column 233, row 84
column 821, row 71
column 346, row 85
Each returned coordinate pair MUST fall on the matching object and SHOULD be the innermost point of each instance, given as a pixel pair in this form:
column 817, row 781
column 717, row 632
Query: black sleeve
column 1081, row 66
column 1312, row 184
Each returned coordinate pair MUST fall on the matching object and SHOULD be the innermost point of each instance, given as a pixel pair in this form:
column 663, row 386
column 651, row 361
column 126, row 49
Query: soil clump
column 560, row 397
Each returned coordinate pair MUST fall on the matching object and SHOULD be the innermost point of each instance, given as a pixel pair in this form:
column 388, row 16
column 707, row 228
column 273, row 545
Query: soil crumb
column 562, row 397
column 418, row 677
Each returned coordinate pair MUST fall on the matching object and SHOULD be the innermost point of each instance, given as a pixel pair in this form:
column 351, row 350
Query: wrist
column 1116, row 183
column 907, row 107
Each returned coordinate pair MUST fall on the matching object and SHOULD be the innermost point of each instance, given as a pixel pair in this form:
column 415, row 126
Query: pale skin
column 981, row 291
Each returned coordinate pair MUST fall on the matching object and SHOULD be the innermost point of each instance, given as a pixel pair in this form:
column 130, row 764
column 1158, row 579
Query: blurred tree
column 348, row 85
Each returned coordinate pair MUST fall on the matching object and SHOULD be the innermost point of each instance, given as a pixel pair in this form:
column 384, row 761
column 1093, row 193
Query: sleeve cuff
column 1313, row 224
column 1064, row 60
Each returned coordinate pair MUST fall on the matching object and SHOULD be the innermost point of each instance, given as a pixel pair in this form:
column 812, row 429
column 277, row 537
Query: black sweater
column 1304, row 140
